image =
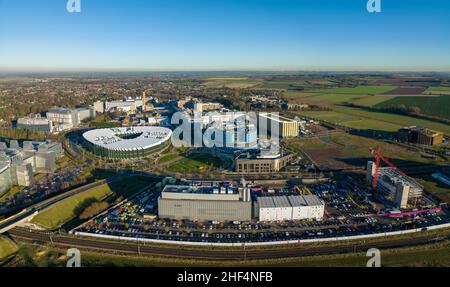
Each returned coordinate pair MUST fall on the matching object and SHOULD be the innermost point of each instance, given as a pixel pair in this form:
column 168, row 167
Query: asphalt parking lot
column 347, row 215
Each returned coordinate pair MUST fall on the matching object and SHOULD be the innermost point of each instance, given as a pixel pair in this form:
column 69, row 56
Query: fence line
column 256, row 244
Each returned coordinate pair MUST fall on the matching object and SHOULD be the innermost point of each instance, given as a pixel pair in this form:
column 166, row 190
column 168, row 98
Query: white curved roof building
column 128, row 142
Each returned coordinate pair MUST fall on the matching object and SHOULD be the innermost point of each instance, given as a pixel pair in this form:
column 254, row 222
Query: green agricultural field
column 232, row 83
column 433, row 106
column 371, row 100
column 61, row 213
column 351, row 121
column 361, row 90
column 197, row 163
column 293, row 84
column 438, row 90
column 331, row 99
column 298, row 95
column 283, row 84
column 363, row 119
column 7, row 247
column 394, row 119
column 323, row 100
column 330, row 116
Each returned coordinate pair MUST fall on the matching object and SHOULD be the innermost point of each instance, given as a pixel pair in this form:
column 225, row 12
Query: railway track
column 117, row 247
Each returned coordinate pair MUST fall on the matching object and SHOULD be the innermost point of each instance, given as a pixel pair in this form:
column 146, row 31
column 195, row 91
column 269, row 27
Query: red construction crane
column 379, row 158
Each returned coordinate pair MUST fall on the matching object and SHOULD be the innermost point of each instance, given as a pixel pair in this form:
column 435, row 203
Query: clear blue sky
column 225, row 35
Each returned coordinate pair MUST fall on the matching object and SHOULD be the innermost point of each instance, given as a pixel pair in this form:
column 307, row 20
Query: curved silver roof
column 146, row 137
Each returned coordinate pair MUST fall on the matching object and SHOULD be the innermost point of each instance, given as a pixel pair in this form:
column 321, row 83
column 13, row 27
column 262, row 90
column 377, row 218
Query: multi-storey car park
column 127, row 143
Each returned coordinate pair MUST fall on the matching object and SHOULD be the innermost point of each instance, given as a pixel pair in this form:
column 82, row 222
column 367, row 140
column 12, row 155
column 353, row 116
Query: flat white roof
column 289, row 201
column 297, row 201
column 312, row 200
column 280, row 119
column 281, row 201
column 266, row 202
column 146, row 137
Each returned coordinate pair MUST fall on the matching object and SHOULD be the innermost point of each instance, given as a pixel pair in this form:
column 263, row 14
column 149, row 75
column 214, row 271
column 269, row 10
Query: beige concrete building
column 211, row 203
column 420, row 135
column 257, row 163
column 286, row 127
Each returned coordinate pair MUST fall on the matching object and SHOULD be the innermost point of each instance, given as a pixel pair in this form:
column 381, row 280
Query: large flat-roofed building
column 99, row 107
column 283, row 208
column 36, row 124
column 127, row 143
column 234, row 135
column 286, row 208
column 127, row 105
column 57, row 120
column 286, row 127
column 400, row 187
column 307, row 207
column 267, row 210
column 203, row 107
column 205, row 203
column 257, row 162
column 84, row 114
column 63, row 119
column 420, row 135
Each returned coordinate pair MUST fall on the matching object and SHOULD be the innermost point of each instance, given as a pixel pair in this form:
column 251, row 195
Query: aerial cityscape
column 158, row 142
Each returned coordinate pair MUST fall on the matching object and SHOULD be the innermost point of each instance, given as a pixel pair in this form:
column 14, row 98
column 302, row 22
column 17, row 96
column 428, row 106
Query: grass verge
column 61, row 213
column 423, row 256
column 7, row 247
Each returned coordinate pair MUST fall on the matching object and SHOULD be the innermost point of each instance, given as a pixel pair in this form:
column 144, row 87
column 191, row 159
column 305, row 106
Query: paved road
column 38, row 207
column 62, row 241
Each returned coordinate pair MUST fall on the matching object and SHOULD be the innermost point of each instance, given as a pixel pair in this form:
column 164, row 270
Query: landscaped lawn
column 168, row 158
column 64, row 211
column 196, row 163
